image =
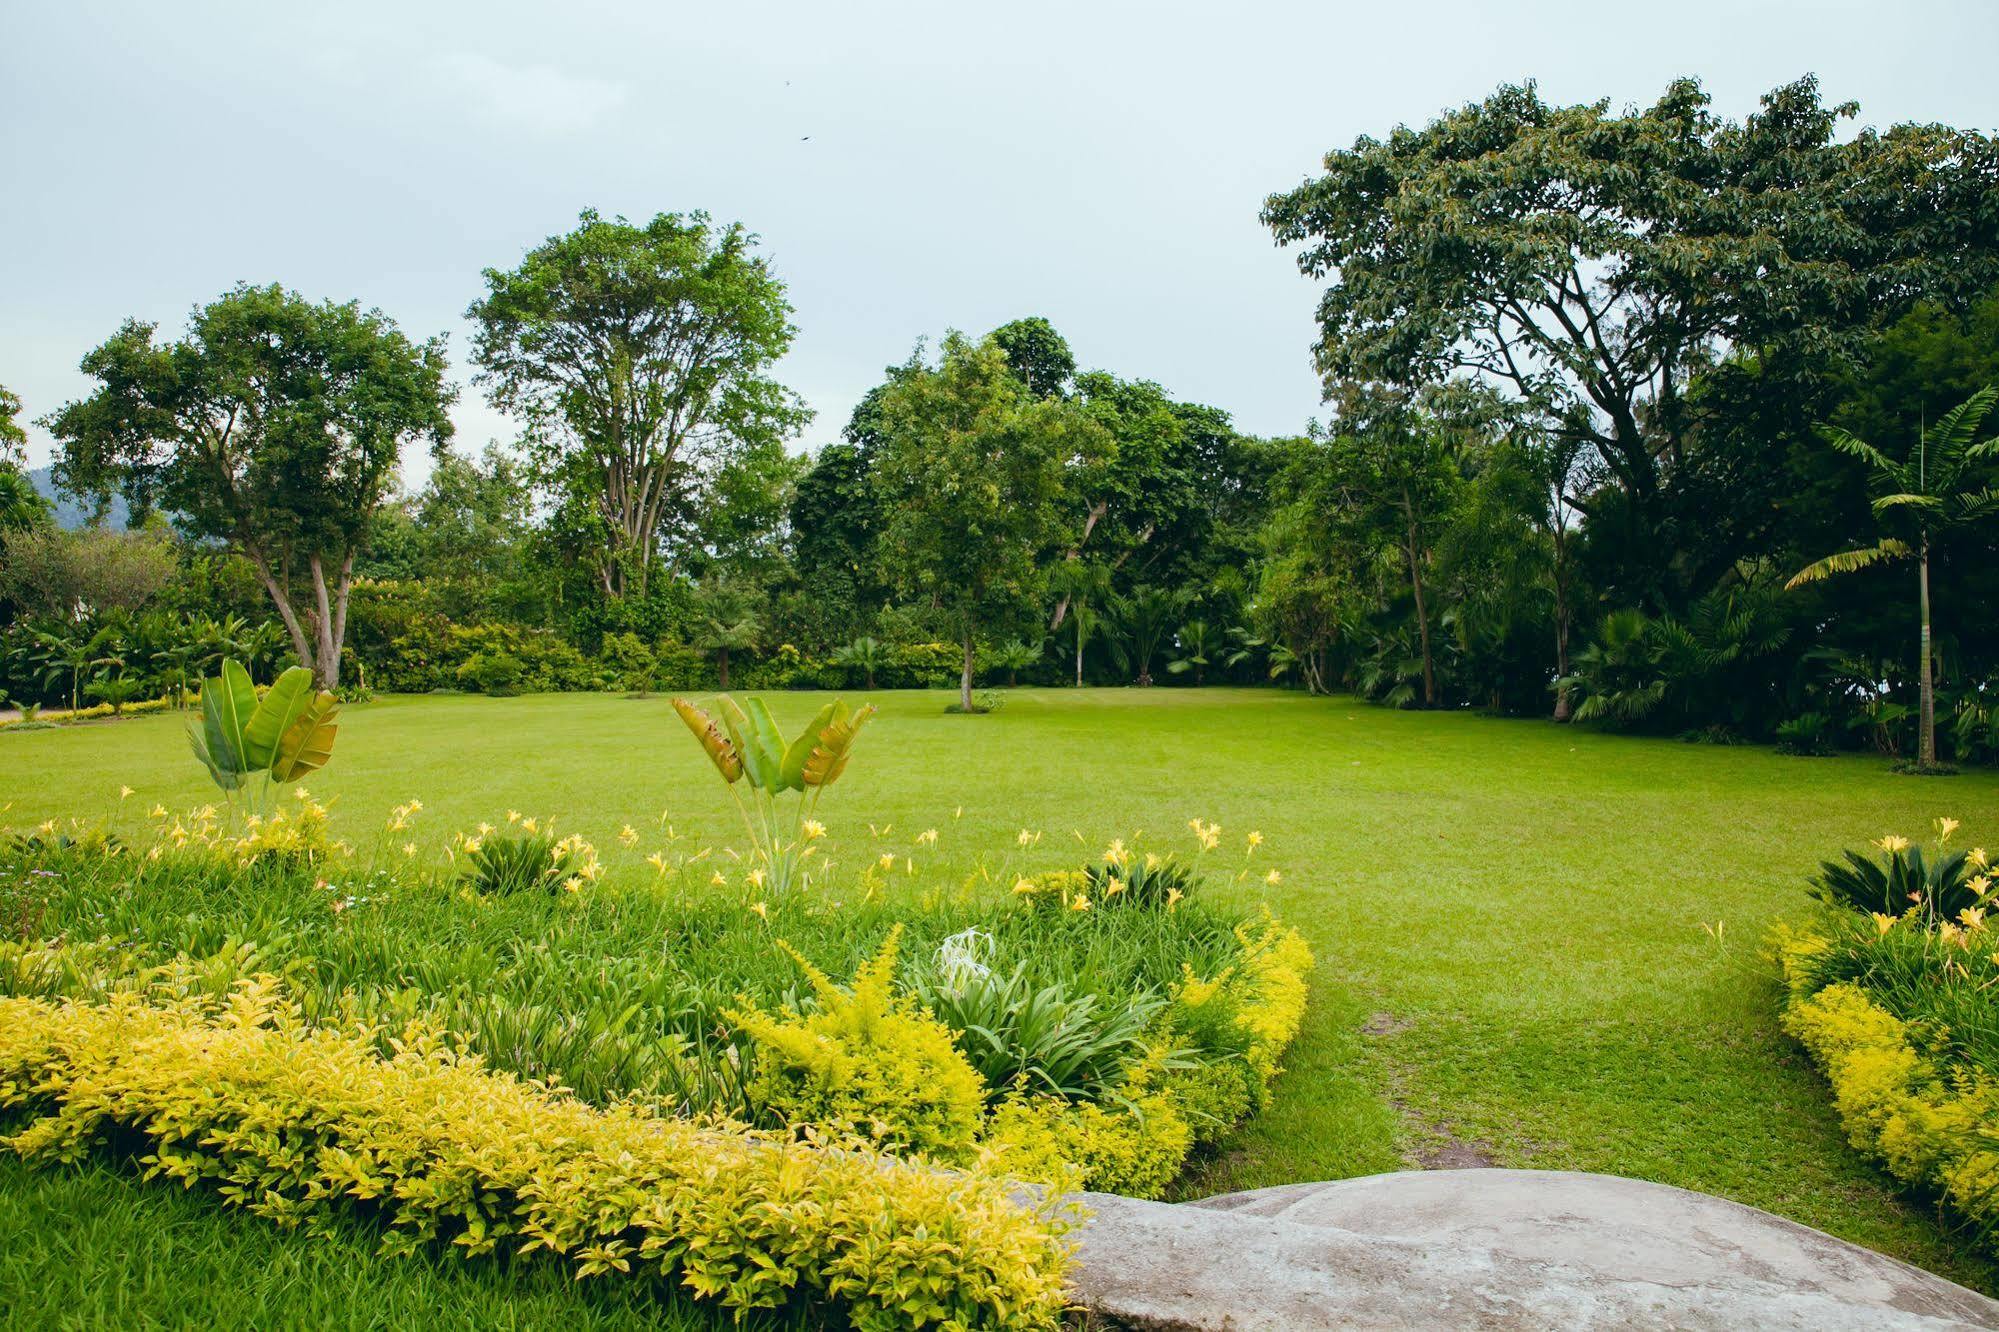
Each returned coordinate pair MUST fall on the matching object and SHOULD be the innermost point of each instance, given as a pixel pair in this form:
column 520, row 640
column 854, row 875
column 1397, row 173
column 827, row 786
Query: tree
column 1590, row 263
column 1197, row 644
column 1038, row 356
column 726, row 621
column 13, row 439
column 1014, row 656
column 1143, row 620
column 22, row 507
column 1391, row 476
column 90, row 571
column 638, row 357
column 970, row 468
column 1082, row 586
column 1945, row 484
column 275, row 425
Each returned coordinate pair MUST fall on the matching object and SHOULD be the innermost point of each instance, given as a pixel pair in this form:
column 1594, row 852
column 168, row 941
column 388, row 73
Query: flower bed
column 1890, row 991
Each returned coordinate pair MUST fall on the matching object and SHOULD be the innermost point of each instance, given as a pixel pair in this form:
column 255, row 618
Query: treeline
column 1636, row 418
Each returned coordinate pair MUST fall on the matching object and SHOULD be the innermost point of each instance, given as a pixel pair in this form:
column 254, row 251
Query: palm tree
column 21, row 505
column 1195, row 645
column 1933, row 493
column 71, row 652
column 728, row 623
column 1143, row 619
column 1082, row 586
column 865, row 655
column 1014, row 657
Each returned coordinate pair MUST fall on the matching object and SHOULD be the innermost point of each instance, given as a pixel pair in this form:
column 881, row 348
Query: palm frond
column 1848, row 442
column 1928, row 503
column 1848, row 561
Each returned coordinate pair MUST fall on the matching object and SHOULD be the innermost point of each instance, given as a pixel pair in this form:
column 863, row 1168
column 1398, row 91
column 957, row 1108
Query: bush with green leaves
column 1939, row 883
column 251, row 743
column 1025, row 1037
column 500, row 864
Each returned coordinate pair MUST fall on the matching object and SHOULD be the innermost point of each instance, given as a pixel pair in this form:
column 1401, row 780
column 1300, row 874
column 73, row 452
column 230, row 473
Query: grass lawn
column 1537, row 946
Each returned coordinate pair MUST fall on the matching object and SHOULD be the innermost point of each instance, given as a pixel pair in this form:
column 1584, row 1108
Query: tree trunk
column 1926, row 737
column 1079, row 647
column 1561, row 659
column 722, row 666
column 301, row 643
column 1422, row 620
column 871, row 678
column 965, row 676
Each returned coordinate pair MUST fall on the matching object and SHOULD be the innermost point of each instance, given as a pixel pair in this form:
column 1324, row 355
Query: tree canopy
column 639, row 358
column 274, row 424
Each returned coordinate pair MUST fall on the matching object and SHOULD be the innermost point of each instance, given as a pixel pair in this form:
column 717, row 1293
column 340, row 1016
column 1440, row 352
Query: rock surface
column 1493, row 1249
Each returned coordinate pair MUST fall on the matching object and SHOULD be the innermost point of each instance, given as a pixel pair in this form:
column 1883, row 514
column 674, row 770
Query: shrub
column 1808, row 735
column 1135, row 1147
column 503, row 863
column 497, row 673
column 1043, row 1039
column 290, row 1122
column 1939, row 884
column 866, row 1063
column 1154, row 881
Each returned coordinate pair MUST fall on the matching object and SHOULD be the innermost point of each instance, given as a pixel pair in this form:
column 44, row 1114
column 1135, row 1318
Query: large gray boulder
column 1498, row 1249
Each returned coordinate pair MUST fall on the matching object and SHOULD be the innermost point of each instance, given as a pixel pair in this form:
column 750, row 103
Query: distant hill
column 71, row 513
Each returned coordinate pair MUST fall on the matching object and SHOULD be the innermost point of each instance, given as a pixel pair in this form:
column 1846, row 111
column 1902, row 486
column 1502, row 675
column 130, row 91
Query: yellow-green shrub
column 867, row 1063
column 1135, row 1148
column 289, row 1121
column 1929, row 1123
column 1255, row 1004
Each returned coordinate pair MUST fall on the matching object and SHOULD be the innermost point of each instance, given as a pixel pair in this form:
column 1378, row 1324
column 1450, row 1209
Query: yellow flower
column 1255, row 839
column 513, row 816
column 1945, row 827
column 124, row 791
column 1023, row 886
column 1883, row 922
column 813, row 830
column 1116, row 854
column 1976, row 858
column 628, row 835
column 928, row 837
column 717, row 878
column 755, row 878
column 472, row 845
column 572, row 884
column 158, row 811
column 1892, row 844
column 657, row 861
column 1173, row 896
column 761, row 910
column 1972, row 917
column 1081, row 903
column 1026, row 838
column 1273, row 878
column 409, row 848
column 1116, row 887
column 887, row 860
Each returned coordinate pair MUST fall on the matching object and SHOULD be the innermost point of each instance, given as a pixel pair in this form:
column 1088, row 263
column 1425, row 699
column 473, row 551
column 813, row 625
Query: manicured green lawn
column 1537, row 946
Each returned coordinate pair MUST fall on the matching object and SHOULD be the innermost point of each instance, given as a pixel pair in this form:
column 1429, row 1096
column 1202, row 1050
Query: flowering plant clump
column 746, row 745
column 1889, row 990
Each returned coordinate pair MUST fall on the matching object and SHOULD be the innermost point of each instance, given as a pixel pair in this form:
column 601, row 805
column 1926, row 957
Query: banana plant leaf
column 722, row 752
column 307, row 743
column 796, row 754
column 275, row 713
column 834, row 745
column 762, row 748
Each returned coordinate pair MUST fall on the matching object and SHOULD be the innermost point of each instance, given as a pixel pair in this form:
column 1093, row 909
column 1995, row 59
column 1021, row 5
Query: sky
column 909, row 167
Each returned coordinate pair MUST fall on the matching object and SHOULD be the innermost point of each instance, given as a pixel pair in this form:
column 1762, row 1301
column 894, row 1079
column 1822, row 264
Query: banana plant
column 279, row 738
column 747, row 747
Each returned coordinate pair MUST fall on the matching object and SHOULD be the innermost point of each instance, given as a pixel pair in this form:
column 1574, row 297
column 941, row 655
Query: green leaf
column 762, row 764
column 275, row 713
column 771, row 740
column 801, row 748
column 226, row 778
column 307, row 742
column 235, row 703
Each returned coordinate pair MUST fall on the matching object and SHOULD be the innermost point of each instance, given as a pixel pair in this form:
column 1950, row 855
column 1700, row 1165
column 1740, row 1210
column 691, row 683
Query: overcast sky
column 909, row 167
